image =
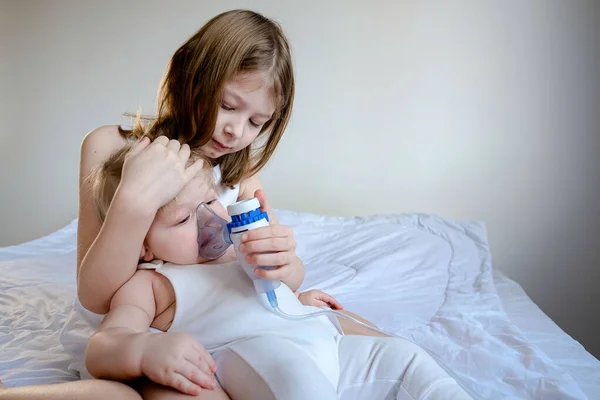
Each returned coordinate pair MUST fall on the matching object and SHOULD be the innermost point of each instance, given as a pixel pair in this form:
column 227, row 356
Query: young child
column 215, row 302
column 187, row 301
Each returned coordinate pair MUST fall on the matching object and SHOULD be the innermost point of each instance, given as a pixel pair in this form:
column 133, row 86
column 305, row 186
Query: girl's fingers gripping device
column 215, row 235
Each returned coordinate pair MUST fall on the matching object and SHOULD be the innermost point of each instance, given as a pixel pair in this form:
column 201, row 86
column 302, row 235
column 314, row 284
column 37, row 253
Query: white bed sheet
column 37, row 284
column 540, row 330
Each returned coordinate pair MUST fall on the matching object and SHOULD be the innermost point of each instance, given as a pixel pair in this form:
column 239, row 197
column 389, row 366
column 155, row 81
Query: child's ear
column 145, row 253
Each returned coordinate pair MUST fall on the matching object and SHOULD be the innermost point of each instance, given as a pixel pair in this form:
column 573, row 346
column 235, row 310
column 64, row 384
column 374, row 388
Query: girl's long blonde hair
column 234, row 42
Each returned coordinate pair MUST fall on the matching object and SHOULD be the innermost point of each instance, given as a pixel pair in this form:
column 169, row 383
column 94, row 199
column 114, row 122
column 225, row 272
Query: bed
column 422, row 277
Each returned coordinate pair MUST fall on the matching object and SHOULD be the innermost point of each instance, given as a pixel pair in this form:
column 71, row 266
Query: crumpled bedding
column 419, row 276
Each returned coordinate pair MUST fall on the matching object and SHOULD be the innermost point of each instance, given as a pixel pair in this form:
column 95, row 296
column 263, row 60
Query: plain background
column 482, row 110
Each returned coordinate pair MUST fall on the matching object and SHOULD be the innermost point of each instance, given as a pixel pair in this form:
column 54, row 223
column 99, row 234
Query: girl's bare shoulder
column 99, row 144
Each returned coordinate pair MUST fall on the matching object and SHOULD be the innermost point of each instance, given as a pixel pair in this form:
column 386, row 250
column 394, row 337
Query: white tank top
column 218, row 305
column 227, row 196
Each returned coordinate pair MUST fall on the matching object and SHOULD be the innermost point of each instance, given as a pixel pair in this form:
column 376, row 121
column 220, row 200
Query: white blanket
column 430, row 280
column 419, row 276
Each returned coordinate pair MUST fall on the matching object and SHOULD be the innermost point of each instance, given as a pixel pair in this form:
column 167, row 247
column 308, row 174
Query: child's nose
column 235, row 128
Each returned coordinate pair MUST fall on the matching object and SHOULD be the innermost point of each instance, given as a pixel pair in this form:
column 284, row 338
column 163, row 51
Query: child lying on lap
column 188, row 300
column 182, row 320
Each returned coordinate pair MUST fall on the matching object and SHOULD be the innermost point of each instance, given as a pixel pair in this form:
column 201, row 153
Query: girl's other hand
column 155, row 172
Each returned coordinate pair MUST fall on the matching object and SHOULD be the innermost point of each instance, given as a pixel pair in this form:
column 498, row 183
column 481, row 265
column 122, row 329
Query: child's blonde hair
column 106, row 177
column 237, row 41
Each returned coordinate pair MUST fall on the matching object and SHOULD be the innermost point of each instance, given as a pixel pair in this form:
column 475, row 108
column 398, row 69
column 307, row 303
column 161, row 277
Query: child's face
column 173, row 235
column 247, row 104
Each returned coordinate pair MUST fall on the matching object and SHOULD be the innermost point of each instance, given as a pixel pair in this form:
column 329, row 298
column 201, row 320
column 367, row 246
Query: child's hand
column 177, row 360
column 154, row 173
column 319, row 299
column 272, row 246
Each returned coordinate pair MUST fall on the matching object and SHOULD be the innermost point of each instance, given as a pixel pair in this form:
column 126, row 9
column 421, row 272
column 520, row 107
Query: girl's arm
column 107, row 254
column 152, row 175
column 248, row 190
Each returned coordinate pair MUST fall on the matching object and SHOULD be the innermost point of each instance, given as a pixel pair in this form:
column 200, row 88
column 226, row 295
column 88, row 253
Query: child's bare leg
column 95, row 389
column 153, row 391
column 352, row 328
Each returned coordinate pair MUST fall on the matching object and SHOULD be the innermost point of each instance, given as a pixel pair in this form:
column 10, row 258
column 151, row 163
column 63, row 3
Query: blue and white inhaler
column 246, row 216
column 215, row 235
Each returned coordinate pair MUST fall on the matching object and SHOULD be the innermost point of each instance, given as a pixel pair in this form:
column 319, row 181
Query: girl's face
column 247, row 104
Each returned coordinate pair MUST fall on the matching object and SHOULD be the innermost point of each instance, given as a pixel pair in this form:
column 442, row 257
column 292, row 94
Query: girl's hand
column 154, row 173
column 177, row 360
column 273, row 246
column 318, row 298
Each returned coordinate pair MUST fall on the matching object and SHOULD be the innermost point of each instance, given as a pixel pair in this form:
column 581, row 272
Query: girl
column 230, row 84
column 227, row 94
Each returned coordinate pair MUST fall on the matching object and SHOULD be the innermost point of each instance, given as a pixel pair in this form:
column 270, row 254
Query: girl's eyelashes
column 226, row 107
column 211, row 202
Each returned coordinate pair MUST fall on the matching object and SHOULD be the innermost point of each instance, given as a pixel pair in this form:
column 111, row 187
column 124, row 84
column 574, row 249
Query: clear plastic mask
column 213, row 235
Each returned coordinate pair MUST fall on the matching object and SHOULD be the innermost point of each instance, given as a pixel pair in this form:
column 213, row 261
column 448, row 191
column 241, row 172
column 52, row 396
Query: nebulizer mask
column 215, row 235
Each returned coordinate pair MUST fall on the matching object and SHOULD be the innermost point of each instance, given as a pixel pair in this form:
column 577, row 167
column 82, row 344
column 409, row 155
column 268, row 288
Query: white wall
column 468, row 109
column 6, row 90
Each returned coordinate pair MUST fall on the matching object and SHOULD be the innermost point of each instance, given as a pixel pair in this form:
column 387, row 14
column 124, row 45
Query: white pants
column 370, row 368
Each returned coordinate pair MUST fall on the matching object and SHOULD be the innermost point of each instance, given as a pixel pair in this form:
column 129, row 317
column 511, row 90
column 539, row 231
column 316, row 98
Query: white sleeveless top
column 218, row 305
column 226, row 195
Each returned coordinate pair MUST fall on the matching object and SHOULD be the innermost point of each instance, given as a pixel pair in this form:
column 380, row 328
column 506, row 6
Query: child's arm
column 318, row 298
column 107, row 254
column 122, row 348
column 116, row 348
